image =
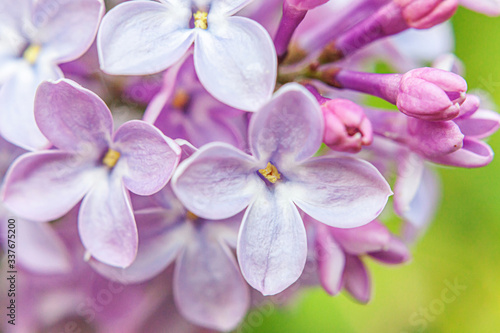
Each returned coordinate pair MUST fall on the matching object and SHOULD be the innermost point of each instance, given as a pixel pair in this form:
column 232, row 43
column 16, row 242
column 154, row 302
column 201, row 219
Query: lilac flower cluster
column 188, row 157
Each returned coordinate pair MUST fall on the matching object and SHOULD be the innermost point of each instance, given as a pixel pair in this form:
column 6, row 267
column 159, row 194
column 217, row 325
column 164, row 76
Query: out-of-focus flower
column 208, row 287
column 89, row 162
column 36, row 36
column 339, row 251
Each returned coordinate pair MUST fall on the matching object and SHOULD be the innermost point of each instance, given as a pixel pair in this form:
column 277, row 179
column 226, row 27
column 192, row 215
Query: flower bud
column 346, row 126
column 431, row 94
column 424, row 14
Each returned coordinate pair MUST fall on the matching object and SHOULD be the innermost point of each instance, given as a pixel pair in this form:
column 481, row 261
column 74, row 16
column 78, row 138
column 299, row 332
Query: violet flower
column 455, row 142
column 36, row 36
column 339, row 252
column 234, row 56
column 219, row 181
column 88, row 162
column 207, row 285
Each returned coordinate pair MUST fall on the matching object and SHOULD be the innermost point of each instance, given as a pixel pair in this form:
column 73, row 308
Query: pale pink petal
column 288, row 129
column 66, row 29
column 106, row 223
column 216, row 182
column 236, row 62
column 73, row 118
column 340, row 192
column 44, row 186
column 208, row 287
column 147, row 159
column 272, row 246
column 143, row 37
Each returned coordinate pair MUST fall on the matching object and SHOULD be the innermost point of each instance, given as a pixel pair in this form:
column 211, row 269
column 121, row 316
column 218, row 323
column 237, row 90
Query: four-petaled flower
column 219, row 181
column 234, row 57
column 88, row 161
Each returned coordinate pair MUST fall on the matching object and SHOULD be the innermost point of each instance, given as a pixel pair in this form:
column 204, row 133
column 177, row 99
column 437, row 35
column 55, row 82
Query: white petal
column 227, row 7
column 143, row 37
column 340, row 192
column 272, row 245
column 236, row 62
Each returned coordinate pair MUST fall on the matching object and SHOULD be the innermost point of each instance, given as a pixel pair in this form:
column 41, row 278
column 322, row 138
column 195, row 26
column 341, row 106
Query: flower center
column 270, row 173
column 181, row 99
column 200, row 20
column 190, row 216
column 31, row 53
column 111, row 158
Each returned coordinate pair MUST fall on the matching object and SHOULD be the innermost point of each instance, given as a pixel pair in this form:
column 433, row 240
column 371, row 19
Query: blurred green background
column 461, row 247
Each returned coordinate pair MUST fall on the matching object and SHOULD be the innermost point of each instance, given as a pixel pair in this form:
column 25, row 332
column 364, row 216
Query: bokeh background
column 461, row 248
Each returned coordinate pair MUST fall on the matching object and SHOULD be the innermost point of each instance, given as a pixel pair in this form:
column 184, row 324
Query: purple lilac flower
column 234, row 56
column 36, row 36
column 339, row 252
column 219, row 181
column 88, row 162
column 208, row 287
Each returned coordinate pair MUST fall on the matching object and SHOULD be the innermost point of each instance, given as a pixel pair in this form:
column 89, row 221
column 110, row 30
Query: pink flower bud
column 431, row 94
column 424, row 14
column 346, row 126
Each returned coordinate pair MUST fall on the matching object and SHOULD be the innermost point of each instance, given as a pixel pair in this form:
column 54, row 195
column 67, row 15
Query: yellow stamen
column 270, row 173
column 31, row 53
column 200, row 19
column 191, row 216
column 181, row 99
column 111, row 158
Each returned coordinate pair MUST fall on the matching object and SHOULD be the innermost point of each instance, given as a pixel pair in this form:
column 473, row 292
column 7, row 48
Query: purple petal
column 423, row 206
column 106, row 223
column 70, row 28
column 395, row 252
column 330, row 259
column 217, row 181
column 289, row 128
column 236, row 62
column 208, row 287
column 73, row 118
column 42, row 250
column 357, row 280
column 371, row 237
column 473, row 154
column 481, row 124
column 44, row 186
column 161, row 238
column 272, row 246
column 340, row 192
column 410, row 171
column 148, row 158
column 143, row 37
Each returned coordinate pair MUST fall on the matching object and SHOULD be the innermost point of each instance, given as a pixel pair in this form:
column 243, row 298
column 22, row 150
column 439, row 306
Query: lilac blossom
column 454, row 142
column 213, row 295
column 488, row 7
column 219, row 181
column 36, row 36
column 234, row 56
column 88, row 162
column 339, row 251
